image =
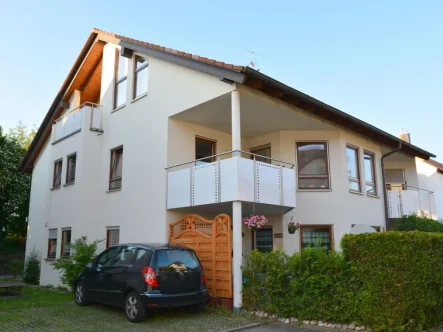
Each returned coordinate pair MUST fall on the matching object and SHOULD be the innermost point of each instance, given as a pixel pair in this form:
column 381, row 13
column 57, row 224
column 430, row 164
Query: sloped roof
column 241, row 74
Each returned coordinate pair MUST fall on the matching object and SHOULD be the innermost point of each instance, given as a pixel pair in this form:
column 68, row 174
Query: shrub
column 311, row 285
column 70, row 267
column 31, row 273
column 402, row 278
column 17, row 266
column 415, row 222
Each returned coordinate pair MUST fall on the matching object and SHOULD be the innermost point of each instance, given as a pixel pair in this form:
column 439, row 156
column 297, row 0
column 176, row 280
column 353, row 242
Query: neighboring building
column 115, row 157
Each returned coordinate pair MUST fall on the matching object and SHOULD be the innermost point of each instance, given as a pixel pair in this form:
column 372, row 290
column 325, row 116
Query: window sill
column 69, row 184
column 55, row 188
column 48, row 259
column 119, row 108
column 355, row 192
column 113, row 190
column 139, row 97
column 313, row 190
column 373, row 196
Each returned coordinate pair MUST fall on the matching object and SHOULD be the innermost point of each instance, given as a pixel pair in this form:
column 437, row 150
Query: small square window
column 115, row 180
column 52, row 243
column 316, row 237
column 66, row 243
column 57, row 178
column 70, row 170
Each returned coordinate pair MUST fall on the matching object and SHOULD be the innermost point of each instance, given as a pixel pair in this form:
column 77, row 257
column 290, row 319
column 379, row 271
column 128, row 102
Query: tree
column 15, row 186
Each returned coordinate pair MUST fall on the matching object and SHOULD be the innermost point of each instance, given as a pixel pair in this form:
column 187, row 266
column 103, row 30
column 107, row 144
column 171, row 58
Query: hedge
column 414, row 222
column 390, row 281
column 402, row 278
column 311, row 286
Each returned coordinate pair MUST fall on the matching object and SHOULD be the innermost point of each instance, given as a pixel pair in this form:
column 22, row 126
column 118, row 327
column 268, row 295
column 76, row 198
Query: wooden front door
column 211, row 240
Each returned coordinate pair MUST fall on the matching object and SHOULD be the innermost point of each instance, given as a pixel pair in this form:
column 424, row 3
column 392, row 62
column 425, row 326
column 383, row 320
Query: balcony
column 86, row 115
column 412, row 200
column 231, row 177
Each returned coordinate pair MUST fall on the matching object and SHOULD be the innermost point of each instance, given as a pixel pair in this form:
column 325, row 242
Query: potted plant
column 292, row 227
column 255, row 221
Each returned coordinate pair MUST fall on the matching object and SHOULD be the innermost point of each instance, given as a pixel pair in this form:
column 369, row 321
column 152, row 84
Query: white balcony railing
column 72, row 122
column 231, row 179
column 409, row 201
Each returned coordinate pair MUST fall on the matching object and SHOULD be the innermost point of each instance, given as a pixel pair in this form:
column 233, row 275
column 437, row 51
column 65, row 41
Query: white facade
column 158, row 131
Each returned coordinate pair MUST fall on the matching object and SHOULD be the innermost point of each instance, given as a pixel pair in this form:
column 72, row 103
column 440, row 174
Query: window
column 142, row 258
column 121, row 75
column 353, row 168
column 109, row 257
column 264, row 150
column 140, row 76
column 112, row 237
column 395, row 179
column 316, row 236
column 66, row 243
column 52, row 243
column 263, row 240
column 312, row 162
column 204, row 148
column 115, row 179
column 369, row 161
column 70, row 170
column 57, row 180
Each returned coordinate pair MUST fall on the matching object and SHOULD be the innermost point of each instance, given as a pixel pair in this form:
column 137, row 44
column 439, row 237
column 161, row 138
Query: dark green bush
column 311, row 285
column 415, row 222
column 402, row 277
column 31, row 273
column 70, row 267
column 17, row 266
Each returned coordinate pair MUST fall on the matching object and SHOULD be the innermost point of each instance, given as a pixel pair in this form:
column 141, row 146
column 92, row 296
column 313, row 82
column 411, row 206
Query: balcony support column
column 237, row 241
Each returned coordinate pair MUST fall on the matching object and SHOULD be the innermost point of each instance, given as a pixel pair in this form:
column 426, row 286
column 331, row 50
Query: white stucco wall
column 430, row 179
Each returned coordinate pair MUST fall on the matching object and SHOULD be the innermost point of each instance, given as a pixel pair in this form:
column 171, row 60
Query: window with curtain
column 316, row 237
column 57, row 180
column 312, row 165
column 66, row 243
column 121, row 76
column 70, row 170
column 263, row 240
column 264, row 150
column 115, row 181
column 140, row 77
column 369, row 161
column 112, row 237
column 52, row 243
column 353, row 168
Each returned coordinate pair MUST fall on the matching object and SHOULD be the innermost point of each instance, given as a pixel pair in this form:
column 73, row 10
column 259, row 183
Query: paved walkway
column 279, row 328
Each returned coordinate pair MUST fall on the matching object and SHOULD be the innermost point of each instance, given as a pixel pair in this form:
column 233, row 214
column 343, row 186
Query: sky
column 380, row 61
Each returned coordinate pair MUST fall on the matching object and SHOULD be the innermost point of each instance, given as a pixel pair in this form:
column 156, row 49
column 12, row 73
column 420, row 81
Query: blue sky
column 380, row 61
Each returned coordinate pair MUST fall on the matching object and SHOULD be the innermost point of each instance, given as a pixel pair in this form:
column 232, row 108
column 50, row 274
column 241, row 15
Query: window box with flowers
column 255, row 221
column 292, row 227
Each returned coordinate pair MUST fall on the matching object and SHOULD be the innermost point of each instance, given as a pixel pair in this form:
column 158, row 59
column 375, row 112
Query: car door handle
column 125, row 269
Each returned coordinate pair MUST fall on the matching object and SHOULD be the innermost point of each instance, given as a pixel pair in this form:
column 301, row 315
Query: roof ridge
column 196, row 57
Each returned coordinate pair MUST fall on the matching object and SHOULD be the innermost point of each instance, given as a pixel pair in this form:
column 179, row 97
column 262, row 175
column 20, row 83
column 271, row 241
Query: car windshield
column 177, row 258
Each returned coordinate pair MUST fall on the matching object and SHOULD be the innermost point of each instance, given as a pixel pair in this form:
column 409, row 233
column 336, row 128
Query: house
column 139, row 136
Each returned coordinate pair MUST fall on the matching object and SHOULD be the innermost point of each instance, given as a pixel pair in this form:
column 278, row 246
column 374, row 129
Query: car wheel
column 134, row 310
column 80, row 294
column 195, row 308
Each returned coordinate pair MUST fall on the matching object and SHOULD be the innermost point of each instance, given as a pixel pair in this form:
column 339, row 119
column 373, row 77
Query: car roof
column 156, row 246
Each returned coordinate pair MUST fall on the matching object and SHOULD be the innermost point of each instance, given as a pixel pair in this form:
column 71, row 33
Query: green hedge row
column 313, row 286
column 391, row 281
column 402, row 278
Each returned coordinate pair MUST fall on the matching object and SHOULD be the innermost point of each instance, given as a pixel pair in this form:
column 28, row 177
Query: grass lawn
column 50, row 309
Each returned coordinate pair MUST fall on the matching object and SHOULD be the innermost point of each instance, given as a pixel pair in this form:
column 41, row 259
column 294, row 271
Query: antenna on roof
column 252, row 63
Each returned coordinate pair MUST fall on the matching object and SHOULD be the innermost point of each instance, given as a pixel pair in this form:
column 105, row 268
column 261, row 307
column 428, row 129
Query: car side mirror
column 90, row 265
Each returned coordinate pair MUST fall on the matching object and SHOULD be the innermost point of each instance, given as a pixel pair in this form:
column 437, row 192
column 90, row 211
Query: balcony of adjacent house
column 205, row 170
column 87, row 116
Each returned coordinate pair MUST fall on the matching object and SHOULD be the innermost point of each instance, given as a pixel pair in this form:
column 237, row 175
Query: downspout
column 383, row 175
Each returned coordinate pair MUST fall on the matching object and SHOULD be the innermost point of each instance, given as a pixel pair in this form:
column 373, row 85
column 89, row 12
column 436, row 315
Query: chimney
column 405, row 136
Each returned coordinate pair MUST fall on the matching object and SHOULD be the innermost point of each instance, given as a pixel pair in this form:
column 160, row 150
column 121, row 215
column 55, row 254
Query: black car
column 139, row 277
